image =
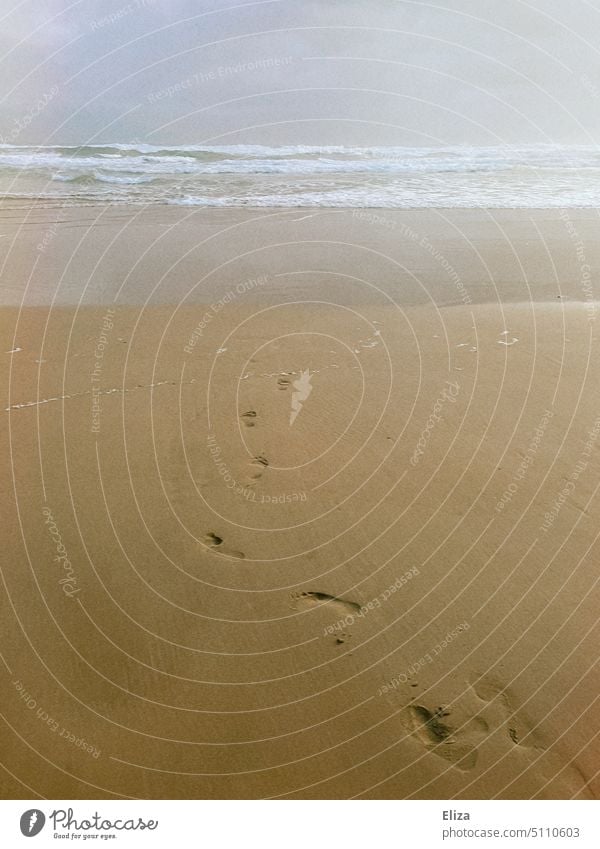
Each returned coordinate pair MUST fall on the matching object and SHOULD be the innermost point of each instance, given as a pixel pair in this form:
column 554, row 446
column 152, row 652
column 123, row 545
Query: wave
column 304, row 175
column 89, row 179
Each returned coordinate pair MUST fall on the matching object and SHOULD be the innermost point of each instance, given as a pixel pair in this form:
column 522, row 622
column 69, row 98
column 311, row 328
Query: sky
column 350, row 72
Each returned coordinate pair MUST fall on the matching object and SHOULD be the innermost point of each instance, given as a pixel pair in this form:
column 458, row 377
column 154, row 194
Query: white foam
column 309, row 176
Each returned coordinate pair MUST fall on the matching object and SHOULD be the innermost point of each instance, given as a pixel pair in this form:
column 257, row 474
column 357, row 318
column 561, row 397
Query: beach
column 299, row 502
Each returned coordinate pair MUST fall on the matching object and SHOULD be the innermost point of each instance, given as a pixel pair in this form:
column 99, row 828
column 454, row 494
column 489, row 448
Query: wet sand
column 309, row 510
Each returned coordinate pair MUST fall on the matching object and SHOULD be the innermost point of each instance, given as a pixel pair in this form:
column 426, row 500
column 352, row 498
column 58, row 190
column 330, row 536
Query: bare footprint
column 212, row 540
column 491, row 691
column 487, row 688
column 259, row 463
column 257, row 467
column 339, row 606
column 249, row 417
column 527, row 740
column 432, row 729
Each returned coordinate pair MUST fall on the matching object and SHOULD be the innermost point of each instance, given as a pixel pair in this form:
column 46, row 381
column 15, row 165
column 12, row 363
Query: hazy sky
column 300, row 71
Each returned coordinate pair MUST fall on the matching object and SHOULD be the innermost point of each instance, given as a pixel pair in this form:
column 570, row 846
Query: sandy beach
column 299, row 503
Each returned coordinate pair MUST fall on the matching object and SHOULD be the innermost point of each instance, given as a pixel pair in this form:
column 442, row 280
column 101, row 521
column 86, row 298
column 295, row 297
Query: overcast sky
column 300, row 71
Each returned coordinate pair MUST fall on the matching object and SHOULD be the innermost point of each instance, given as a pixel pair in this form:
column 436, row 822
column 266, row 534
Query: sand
column 299, row 504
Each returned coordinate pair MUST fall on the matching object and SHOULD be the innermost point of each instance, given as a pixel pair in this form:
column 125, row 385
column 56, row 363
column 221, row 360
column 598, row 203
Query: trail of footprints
column 259, row 463
column 456, row 741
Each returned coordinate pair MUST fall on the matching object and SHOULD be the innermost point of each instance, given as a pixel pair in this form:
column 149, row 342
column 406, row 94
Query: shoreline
column 175, row 255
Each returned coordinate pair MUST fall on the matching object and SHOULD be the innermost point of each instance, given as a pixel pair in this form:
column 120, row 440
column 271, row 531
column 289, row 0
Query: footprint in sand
column 527, row 740
column 491, row 691
column 212, row 540
column 432, row 729
column 336, row 606
column 249, row 418
column 257, row 466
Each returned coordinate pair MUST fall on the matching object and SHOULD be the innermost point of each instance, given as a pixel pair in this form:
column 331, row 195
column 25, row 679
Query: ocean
column 508, row 176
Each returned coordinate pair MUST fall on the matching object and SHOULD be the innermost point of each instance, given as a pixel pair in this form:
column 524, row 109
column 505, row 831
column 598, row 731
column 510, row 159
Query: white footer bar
column 301, row 824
